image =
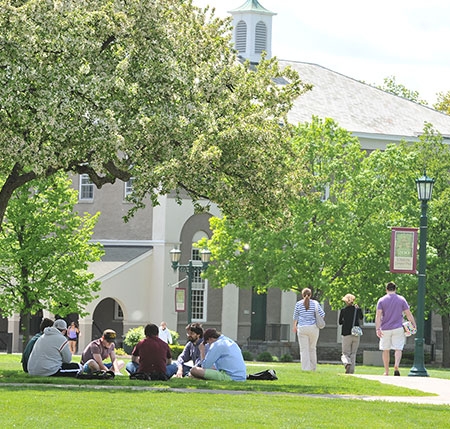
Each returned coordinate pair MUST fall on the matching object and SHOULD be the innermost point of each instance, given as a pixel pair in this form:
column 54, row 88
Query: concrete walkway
column 438, row 386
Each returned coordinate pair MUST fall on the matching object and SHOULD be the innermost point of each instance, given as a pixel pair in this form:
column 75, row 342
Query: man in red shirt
column 152, row 356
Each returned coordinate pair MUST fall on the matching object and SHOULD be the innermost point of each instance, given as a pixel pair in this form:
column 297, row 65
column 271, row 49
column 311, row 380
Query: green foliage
column 341, row 244
column 443, row 102
column 175, row 336
column 248, row 356
column 150, row 90
column 264, row 357
column 133, row 336
column 45, row 251
column 120, row 351
column 176, row 350
column 286, row 358
column 390, row 85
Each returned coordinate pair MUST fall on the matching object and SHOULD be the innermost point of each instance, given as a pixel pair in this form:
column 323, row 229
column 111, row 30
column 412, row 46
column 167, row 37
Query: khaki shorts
column 212, row 374
column 393, row 339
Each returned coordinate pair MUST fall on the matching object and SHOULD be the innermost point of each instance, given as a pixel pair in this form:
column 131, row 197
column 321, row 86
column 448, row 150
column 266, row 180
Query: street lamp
column 424, row 191
column 190, row 269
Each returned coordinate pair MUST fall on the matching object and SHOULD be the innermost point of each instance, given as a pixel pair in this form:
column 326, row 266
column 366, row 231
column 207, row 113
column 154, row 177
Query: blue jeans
column 171, row 369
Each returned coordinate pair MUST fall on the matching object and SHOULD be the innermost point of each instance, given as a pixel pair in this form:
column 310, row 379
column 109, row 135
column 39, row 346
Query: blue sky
column 365, row 40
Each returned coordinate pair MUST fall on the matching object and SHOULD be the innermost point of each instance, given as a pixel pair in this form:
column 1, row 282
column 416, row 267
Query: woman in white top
column 306, row 329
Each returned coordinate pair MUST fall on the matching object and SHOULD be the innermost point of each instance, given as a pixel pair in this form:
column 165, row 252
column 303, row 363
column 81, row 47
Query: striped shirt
column 306, row 317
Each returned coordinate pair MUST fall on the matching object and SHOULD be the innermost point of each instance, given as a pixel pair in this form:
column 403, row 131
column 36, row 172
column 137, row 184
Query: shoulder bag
column 320, row 321
column 356, row 330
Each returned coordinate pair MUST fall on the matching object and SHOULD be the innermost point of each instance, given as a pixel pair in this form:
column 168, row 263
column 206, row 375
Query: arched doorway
column 108, row 315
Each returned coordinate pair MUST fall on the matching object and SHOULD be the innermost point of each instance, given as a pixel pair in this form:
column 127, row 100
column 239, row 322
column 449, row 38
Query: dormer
column 252, row 30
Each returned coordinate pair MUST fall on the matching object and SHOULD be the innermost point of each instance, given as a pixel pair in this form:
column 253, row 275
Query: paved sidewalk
column 439, row 386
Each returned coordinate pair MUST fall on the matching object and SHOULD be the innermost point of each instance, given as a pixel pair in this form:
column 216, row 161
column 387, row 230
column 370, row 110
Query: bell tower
column 252, row 30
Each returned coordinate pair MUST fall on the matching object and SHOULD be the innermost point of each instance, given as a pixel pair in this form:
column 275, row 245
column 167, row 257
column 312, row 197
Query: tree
column 45, row 251
column 151, row 90
column 443, row 102
column 342, row 244
column 390, row 85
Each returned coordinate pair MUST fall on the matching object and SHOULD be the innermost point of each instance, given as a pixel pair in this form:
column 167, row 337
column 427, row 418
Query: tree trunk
column 446, row 341
column 25, row 327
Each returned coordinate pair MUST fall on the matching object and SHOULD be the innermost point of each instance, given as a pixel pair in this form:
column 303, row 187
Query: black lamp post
column 190, row 269
column 424, row 191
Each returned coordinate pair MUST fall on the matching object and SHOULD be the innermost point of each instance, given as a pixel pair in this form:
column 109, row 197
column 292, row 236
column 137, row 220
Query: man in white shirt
column 164, row 333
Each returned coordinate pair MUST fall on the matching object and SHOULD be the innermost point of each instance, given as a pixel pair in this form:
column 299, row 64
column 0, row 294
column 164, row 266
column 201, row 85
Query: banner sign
column 403, row 250
column 180, row 299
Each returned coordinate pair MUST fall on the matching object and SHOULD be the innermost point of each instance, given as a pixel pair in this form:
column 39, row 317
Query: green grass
column 59, row 402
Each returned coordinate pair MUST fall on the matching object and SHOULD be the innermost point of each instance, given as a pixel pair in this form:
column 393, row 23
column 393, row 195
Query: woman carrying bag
column 349, row 318
column 306, row 328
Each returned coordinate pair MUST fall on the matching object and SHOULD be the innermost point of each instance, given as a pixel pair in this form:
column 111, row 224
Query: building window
column 241, row 36
column 129, row 187
column 86, row 188
column 118, row 313
column 199, row 290
column 260, row 37
column 369, row 317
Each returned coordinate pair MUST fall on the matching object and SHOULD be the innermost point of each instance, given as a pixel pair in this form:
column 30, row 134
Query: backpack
column 268, row 374
column 97, row 375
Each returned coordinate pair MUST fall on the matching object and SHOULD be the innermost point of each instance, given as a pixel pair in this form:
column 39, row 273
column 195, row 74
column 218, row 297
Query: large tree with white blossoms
column 149, row 89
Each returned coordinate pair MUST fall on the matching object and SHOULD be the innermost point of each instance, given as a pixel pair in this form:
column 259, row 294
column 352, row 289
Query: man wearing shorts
column 97, row 351
column 389, row 325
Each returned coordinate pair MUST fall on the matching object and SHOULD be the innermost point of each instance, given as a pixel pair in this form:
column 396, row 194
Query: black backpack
column 268, row 374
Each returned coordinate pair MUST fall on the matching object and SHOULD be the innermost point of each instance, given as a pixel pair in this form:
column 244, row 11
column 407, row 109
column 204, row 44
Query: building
column 138, row 283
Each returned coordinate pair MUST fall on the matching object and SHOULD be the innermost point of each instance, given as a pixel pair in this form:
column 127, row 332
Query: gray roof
column 252, row 6
column 116, row 257
column 362, row 109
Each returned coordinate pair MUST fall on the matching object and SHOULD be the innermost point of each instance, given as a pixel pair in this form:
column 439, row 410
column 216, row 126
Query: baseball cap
column 60, row 324
column 109, row 335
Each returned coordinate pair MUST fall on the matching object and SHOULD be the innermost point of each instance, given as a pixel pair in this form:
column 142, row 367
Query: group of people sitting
column 48, row 353
column 207, row 355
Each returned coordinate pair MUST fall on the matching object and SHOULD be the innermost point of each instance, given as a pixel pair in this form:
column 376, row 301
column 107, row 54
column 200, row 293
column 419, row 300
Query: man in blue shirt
column 223, row 360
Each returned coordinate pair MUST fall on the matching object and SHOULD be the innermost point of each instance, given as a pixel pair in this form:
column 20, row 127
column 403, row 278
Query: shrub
column 133, row 336
column 247, row 355
column 265, row 357
column 286, row 358
column 120, row 352
column 175, row 336
column 176, row 350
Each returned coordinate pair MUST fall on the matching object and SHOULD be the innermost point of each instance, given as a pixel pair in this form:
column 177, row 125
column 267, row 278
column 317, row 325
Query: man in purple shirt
column 389, row 325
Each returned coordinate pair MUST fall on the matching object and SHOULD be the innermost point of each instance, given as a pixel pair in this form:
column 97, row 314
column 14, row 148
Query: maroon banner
column 403, row 250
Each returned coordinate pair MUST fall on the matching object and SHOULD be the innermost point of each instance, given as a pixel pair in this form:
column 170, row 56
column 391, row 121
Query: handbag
column 409, row 328
column 356, row 330
column 320, row 321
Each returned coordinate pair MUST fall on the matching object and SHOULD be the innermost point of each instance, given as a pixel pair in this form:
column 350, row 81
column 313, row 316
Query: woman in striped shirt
column 307, row 331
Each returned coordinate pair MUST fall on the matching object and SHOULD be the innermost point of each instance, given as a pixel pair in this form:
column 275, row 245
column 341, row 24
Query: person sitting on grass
column 97, row 351
column 223, row 360
column 152, row 356
column 29, row 347
column 190, row 356
column 51, row 355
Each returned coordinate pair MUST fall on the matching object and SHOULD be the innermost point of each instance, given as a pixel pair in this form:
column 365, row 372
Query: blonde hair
column 306, row 294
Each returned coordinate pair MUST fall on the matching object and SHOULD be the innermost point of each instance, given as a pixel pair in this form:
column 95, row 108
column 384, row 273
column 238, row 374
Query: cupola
column 252, row 30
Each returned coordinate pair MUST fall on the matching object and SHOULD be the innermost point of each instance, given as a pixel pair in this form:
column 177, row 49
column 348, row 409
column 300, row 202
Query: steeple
column 252, row 30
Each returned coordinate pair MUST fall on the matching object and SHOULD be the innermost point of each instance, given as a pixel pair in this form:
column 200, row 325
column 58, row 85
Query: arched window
column 241, row 36
column 260, row 37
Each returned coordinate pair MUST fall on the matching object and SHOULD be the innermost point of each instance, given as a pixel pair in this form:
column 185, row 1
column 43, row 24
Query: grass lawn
column 60, row 402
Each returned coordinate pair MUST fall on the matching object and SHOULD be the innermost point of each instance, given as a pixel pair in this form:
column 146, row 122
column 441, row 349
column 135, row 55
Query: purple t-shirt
column 392, row 307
